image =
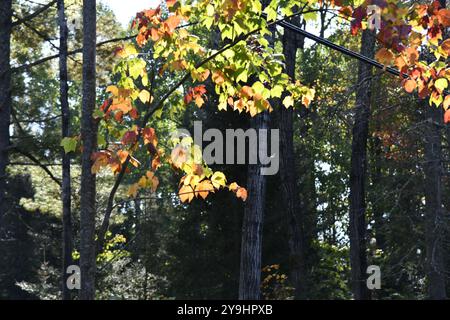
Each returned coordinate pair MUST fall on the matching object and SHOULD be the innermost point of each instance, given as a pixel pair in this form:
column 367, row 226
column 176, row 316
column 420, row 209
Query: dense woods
column 323, row 151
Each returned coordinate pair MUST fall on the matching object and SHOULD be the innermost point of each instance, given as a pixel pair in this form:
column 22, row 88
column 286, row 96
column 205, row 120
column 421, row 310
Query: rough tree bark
column 252, row 225
column 89, row 140
column 357, row 219
column 434, row 211
column 65, row 128
column 5, row 95
column 294, row 214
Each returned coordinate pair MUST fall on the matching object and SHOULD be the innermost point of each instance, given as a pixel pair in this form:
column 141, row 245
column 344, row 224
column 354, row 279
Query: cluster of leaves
column 412, row 39
column 163, row 37
column 246, row 72
column 275, row 284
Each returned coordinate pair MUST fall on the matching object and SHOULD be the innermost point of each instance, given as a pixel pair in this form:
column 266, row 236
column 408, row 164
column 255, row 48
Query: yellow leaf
column 113, row 89
column 218, row 179
column 142, row 182
column 144, row 96
column 441, row 84
column 288, row 101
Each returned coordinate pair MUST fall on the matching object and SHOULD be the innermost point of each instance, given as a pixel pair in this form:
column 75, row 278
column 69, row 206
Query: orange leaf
column 172, row 22
column 447, row 116
column 446, row 46
column 409, row 85
column 446, row 102
column 242, row 193
column 385, row 56
column 186, row 193
column 444, row 17
column 204, row 188
column 218, row 77
column 247, row 92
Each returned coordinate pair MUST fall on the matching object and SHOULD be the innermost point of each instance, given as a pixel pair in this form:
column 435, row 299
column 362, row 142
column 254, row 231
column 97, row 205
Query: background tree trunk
column 89, row 140
column 357, row 221
column 294, row 214
column 252, row 225
column 65, row 128
column 5, row 96
column 434, row 212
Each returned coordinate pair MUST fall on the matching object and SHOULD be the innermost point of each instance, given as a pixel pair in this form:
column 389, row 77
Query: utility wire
column 341, row 49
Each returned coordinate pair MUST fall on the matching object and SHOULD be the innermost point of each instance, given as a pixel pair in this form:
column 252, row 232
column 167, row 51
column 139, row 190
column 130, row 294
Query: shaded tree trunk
column 434, row 211
column 376, row 169
column 89, row 140
column 65, row 128
column 252, row 225
column 357, row 219
column 5, row 96
column 294, row 214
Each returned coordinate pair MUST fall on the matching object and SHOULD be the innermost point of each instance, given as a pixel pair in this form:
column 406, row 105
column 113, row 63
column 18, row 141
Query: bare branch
column 34, row 14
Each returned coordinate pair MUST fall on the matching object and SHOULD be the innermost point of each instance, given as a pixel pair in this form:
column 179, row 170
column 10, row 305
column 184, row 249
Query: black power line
column 341, row 49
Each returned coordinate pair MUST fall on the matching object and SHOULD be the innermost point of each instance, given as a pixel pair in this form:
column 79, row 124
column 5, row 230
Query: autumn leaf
column 123, row 155
column 444, row 17
column 204, row 188
column 149, row 136
column 242, row 193
column 113, row 90
column 447, row 116
column 179, row 156
column 385, row 56
column 218, row 179
column 409, row 85
column 288, row 101
column 186, row 193
column 247, row 92
column 218, row 77
column 156, row 163
column 172, row 22
column 144, row 96
column 441, row 84
column 446, row 46
column 446, row 103
column 133, row 190
column 129, row 137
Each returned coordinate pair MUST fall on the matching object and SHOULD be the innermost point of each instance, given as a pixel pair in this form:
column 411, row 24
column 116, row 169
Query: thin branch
column 34, row 14
column 38, row 163
column 55, row 56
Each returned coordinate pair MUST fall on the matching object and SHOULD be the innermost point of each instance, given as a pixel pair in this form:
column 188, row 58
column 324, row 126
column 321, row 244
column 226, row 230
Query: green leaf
column 441, row 84
column 218, row 179
column 276, row 91
column 69, row 144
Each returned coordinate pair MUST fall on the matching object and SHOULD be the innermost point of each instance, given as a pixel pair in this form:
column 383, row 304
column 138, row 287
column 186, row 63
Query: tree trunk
column 294, row 214
column 252, row 225
column 89, row 140
column 357, row 220
column 5, row 96
column 434, row 212
column 65, row 128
